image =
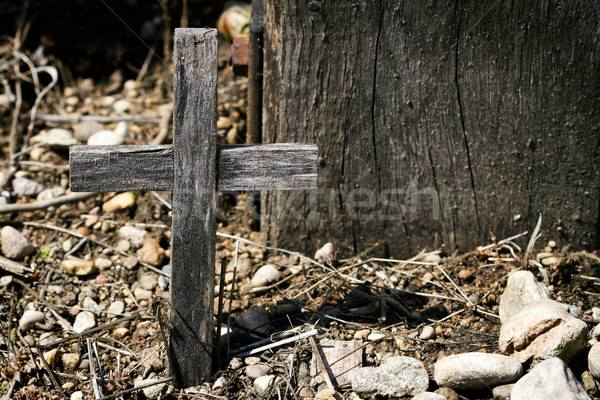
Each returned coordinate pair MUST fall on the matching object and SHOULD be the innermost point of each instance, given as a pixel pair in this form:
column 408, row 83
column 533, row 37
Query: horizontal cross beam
column 148, row 167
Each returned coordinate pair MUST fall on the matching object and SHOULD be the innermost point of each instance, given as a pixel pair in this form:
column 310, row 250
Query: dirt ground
column 456, row 294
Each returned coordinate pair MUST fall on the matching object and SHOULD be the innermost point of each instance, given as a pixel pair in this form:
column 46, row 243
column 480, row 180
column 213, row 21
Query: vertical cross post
column 194, row 201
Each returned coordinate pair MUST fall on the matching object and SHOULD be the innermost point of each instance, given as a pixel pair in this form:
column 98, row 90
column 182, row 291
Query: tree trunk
column 438, row 123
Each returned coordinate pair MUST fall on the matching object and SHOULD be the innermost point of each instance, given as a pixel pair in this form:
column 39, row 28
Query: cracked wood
column 239, row 167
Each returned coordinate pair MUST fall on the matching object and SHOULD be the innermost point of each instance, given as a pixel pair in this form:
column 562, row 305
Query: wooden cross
column 194, row 167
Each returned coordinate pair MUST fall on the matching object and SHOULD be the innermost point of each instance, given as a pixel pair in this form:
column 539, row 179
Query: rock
column 148, row 280
column 263, row 383
column 232, row 136
column 375, row 336
column 105, row 138
column 6, row 280
column 78, row 395
column 258, row 370
column 30, row 318
column 14, row 244
column 120, row 202
column 541, row 330
column 362, row 334
column 521, row 290
column 85, row 320
column 67, row 245
column 163, row 281
column 91, row 305
column 224, row 123
column 56, row 137
column 596, row 312
column 428, row 396
column 550, row 379
column 102, row 263
column 154, row 391
column 71, row 360
column 596, row 332
column 589, row 384
column 252, row 360
column 448, row 393
column 49, row 356
column 502, row 392
column 85, row 129
column 465, row 274
column 77, row 266
column 325, row 394
column 476, row 370
column 325, row 253
column 398, row 376
column 142, row 294
column 265, row 275
column 47, row 338
column 428, row 333
column 151, row 252
column 115, row 308
column 594, row 360
column 120, row 332
column 121, row 106
column 26, row 187
column 255, row 319
column 51, row 193
column 134, row 235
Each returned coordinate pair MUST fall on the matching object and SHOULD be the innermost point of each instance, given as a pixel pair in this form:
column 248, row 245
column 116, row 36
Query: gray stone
column 476, row 370
column 51, row 193
column 115, row 308
column 428, row 333
column 153, row 391
column 30, row 318
column 521, row 289
column 398, row 376
column 148, row 280
column 105, row 138
column 266, row 275
column 255, row 319
column 83, row 321
column 594, row 360
column 85, row 129
column 596, row 312
column 6, row 280
column 78, row 395
column 258, row 370
column 135, row 235
column 550, row 379
column 263, row 383
column 502, row 392
column 428, row 396
column 142, row 294
column 325, row 253
column 596, row 332
column 541, row 330
column 448, row 393
column 91, row 305
column 71, row 360
column 56, row 137
column 26, row 187
column 14, row 244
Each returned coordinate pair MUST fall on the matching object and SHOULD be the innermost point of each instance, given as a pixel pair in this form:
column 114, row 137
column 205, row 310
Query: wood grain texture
column 194, row 202
column 239, row 167
column 438, row 122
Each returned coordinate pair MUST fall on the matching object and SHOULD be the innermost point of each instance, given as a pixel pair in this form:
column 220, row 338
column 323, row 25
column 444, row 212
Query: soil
column 457, row 294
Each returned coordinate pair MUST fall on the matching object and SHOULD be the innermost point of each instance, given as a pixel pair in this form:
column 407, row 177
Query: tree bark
column 439, row 123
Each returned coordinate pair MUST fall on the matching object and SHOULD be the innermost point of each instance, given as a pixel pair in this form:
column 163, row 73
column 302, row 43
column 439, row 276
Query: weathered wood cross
column 194, row 167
